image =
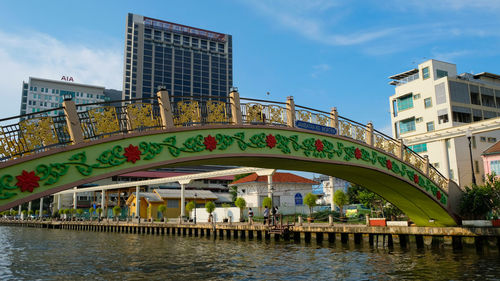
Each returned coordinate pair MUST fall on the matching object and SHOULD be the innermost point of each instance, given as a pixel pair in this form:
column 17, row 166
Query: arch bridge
column 42, row 154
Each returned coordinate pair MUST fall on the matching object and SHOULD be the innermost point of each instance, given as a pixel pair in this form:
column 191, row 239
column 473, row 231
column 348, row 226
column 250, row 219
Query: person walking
column 266, row 215
column 250, row 215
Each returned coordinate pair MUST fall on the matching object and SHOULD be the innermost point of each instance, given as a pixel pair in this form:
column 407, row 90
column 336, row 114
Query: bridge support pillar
column 290, row 112
column 165, row 109
column 41, row 208
column 234, row 98
column 72, row 121
column 334, row 119
column 369, row 134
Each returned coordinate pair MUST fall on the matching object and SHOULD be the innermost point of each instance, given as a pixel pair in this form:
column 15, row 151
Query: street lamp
column 468, row 134
column 195, row 207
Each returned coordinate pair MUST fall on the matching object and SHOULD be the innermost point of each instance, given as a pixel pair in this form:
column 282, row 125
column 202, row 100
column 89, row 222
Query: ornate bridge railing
column 40, row 131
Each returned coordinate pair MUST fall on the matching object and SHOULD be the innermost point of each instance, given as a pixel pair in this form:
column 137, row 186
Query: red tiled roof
column 157, row 174
column 494, row 149
column 277, row 177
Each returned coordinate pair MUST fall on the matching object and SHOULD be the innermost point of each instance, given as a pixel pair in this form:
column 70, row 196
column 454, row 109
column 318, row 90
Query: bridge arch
column 58, row 169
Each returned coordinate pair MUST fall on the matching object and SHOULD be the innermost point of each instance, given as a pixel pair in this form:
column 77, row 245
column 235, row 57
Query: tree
column 340, row 199
column 481, row 201
column 240, row 203
column 233, row 190
column 99, row 211
column 310, row 201
column 162, row 209
column 210, row 207
column 267, row 202
column 190, row 206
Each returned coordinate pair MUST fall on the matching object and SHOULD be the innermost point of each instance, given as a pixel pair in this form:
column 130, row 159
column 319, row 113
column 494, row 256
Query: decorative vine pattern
column 49, row 174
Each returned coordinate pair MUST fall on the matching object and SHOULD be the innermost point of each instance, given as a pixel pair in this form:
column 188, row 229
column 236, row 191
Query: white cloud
column 26, row 54
column 319, row 69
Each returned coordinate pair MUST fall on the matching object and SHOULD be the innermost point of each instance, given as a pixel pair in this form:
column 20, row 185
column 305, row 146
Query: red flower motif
column 271, row 141
column 357, row 153
column 210, row 143
column 388, row 164
column 27, row 181
column 319, row 145
column 415, row 178
column 438, row 195
column 132, row 153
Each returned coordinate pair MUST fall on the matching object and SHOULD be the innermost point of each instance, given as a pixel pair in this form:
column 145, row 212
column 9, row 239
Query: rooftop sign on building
column 67, row 79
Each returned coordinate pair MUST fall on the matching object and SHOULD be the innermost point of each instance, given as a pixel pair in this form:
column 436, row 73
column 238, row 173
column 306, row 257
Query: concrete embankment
column 386, row 236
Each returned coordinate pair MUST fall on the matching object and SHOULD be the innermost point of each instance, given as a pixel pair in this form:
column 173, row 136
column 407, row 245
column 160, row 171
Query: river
column 53, row 254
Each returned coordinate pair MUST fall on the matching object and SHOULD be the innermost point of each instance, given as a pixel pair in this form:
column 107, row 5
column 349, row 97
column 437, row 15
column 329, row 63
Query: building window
column 407, row 125
column 474, row 98
column 430, row 126
column 492, row 140
column 436, row 165
column 473, row 141
column 428, row 102
column 425, row 72
column 461, row 117
column 482, row 139
column 443, row 118
column 419, row 119
column 476, row 164
column 441, row 73
column 172, row 203
column 419, row 147
column 405, row 102
column 495, row 167
column 394, row 108
column 416, row 96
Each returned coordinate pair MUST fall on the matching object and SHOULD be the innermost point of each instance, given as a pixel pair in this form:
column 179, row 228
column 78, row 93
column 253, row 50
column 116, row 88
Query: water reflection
column 30, row 253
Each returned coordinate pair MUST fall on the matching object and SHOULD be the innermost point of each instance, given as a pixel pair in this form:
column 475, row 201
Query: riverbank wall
column 378, row 236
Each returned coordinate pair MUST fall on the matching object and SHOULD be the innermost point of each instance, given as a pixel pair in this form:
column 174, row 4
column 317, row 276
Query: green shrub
column 267, row 202
column 210, row 207
column 310, row 201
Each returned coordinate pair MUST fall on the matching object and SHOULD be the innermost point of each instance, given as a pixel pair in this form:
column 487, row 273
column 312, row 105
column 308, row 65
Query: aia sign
column 67, row 79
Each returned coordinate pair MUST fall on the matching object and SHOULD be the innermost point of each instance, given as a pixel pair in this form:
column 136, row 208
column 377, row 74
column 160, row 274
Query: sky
column 323, row 53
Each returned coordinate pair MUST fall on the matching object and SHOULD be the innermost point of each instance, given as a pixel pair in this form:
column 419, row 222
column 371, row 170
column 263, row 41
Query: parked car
column 357, row 211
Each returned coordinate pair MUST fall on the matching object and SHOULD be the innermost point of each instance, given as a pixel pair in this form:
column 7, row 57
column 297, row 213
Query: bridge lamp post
column 195, row 207
column 468, row 134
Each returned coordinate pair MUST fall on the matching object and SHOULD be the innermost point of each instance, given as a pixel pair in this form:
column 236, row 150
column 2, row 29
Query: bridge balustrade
column 39, row 131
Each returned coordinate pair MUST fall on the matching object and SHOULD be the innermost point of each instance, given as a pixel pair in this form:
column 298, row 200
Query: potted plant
column 117, row 210
column 23, row 214
column 37, row 213
column 91, row 213
column 190, row 207
column 340, row 199
column 240, row 203
column 99, row 212
column 80, row 213
column 163, row 209
column 210, row 207
column 310, row 201
column 225, row 206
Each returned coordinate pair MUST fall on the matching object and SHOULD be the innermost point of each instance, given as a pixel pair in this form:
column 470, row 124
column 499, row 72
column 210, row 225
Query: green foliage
column 226, row 205
column 482, row 201
column 340, row 199
column 37, row 212
column 310, row 201
column 45, row 212
column 24, row 212
column 30, row 212
column 267, row 202
column 117, row 210
column 79, row 211
column 190, row 206
column 240, row 203
column 91, row 211
column 13, row 213
column 99, row 210
column 210, row 207
column 233, row 190
column 162, row 209
column 60, row 211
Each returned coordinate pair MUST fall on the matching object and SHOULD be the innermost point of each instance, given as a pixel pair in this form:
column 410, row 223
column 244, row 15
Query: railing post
column 165, row 109
column 234, row 99
column 334, row 123
column 426, row 165
column 72, row 121
column 369, row 134
column 401, row 150
column 290, row 112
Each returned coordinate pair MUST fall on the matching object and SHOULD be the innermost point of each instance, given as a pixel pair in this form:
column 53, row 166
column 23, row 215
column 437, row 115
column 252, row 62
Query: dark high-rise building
column 186, row 60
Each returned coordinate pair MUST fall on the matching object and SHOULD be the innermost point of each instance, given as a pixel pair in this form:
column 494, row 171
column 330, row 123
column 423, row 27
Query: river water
column 46, row 254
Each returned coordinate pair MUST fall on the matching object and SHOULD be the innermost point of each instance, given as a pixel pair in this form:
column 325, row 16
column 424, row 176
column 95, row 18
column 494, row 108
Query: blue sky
column 324, row 53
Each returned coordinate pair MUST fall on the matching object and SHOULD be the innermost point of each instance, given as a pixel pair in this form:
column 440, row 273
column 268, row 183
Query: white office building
column 433, row 108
